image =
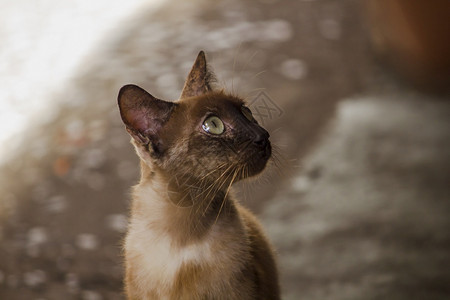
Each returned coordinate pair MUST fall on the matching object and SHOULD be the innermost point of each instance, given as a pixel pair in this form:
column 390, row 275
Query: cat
column 188, row 238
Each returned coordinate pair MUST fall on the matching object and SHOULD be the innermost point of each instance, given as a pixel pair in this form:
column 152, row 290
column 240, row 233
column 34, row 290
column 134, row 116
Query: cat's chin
column 256, row 170
column 258, row 162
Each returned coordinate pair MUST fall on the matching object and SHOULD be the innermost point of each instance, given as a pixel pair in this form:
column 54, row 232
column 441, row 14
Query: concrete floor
column 358, row 208
column 368, row 215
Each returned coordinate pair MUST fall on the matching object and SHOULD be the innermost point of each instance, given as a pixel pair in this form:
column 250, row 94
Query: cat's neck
column 182, row 210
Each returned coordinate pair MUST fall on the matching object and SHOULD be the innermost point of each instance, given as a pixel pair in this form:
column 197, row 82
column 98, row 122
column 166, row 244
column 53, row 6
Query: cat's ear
column 143, row 115
column 199, row 80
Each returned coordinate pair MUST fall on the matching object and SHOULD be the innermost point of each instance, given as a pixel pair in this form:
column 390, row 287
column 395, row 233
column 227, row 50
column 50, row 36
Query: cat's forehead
column 212, row 103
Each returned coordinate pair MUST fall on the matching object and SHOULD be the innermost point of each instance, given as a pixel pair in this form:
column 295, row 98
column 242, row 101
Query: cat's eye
column 247, row 113
column 213, row 125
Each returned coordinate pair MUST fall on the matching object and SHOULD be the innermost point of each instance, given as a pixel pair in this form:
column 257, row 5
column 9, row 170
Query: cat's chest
column 155, row 260
column 157, row 263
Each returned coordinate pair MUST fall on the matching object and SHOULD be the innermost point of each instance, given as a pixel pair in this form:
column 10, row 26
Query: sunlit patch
column 34, row 278
column 87, row 241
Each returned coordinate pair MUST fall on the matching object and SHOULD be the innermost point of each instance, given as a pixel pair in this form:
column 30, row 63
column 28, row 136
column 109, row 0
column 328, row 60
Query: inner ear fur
column 199, row 80
column 143, row 115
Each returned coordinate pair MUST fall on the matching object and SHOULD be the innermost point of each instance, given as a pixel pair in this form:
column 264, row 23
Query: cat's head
column 206, row 134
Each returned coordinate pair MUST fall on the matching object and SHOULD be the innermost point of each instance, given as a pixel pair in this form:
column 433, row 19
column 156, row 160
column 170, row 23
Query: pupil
column 214, row 123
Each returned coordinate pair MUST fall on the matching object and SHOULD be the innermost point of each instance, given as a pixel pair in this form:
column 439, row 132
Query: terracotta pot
column 414, row 36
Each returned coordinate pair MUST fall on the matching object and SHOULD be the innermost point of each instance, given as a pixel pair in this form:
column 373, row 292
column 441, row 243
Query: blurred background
column 354, row 93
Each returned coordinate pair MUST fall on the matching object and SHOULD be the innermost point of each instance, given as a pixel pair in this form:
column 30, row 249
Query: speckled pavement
column 357, row 209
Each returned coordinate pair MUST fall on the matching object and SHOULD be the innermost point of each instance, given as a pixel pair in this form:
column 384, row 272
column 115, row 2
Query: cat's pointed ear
column 199, row 80
column 143, row 115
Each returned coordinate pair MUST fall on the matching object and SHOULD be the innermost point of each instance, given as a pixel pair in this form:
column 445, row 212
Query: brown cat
column 188, row 238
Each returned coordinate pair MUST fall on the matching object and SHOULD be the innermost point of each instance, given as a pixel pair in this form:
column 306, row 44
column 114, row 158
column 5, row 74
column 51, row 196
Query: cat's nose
column 261, row 138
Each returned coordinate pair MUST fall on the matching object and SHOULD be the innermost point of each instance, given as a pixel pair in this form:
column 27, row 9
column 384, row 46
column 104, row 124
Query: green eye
column 247, row 113
column 213, row 125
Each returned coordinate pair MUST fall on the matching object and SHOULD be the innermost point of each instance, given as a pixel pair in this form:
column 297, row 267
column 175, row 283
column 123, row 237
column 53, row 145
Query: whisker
column 234, row 68
column 259, row 73
column 273, row 131
column 226, row 195
column 213, row 197
column 205, row 189
column 210, row 190
column 248, row 61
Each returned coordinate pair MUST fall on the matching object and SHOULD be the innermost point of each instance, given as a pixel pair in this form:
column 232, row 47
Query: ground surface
column 360, row 210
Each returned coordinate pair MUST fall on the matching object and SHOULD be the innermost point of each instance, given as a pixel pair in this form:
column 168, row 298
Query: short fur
column 187, row 237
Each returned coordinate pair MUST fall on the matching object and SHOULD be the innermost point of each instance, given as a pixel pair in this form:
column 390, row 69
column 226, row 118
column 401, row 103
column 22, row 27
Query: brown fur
column 188, row 238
